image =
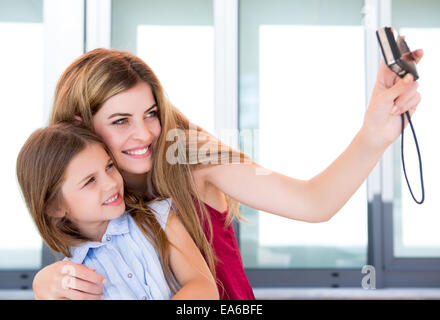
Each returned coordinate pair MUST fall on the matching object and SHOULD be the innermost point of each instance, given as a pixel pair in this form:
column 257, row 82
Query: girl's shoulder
column 161, row 205
column 161, row 209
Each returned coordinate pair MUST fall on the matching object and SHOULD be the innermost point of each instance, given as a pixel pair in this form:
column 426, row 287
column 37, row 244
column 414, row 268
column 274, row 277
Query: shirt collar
column 115, row 227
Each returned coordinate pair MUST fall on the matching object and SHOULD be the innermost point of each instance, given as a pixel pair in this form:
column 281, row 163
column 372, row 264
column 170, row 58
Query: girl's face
column 129, row 124
column 92, row 191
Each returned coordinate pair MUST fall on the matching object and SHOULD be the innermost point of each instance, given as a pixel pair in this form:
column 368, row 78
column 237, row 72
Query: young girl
column 118, row 96
column 75, row 195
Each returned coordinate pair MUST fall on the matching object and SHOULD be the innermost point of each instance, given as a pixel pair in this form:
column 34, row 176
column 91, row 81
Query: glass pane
column 176, row 39
column 21, row 80
column 416, row 226
column 297, row 113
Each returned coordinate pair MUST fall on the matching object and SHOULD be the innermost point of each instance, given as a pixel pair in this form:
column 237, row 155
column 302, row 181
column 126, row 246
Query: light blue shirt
column 126, row 259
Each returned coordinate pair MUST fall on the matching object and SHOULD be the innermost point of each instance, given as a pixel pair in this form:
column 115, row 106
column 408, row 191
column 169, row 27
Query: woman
column 118, row 96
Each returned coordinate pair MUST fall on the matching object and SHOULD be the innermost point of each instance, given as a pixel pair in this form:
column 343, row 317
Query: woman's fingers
column 402, row 101
column 81, row 285
column 418, row 55
column 82, row 272
column 411, row 105
column 77, row 282
column 400, row 88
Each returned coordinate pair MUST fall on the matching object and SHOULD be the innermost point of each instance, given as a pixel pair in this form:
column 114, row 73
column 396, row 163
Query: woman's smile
column 138, row 152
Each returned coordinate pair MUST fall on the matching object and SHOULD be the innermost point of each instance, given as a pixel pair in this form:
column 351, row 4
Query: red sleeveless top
column 234, row 285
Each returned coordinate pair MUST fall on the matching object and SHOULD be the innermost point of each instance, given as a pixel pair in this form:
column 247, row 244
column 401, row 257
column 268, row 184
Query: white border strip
column 98, row 33
column 63, row 42
column 387, row 158
column 226, row 69
column 372, row 59
column 377, row 13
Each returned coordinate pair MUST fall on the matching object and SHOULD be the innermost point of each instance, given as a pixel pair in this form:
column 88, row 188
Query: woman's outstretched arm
column 318, row 199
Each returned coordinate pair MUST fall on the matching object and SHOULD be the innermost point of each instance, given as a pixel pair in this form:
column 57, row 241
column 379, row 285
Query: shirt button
column 129, row 275
column 109, row 238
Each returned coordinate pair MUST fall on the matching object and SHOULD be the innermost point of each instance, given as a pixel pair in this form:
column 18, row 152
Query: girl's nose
column 109, row 182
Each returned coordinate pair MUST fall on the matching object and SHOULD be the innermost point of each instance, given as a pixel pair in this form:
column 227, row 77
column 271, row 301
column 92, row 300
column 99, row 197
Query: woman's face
column 129, row 124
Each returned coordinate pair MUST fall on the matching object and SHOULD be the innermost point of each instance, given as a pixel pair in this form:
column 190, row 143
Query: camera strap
column 418, row 154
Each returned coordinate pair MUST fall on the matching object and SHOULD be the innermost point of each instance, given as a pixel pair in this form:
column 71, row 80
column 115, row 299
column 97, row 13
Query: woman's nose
column 141, row 132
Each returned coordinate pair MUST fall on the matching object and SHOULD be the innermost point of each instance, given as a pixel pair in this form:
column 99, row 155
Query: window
column 293, row 93
column 285, row 57
column 176, row 39
column 36, row 48
column 21, row 26
column 415, row 226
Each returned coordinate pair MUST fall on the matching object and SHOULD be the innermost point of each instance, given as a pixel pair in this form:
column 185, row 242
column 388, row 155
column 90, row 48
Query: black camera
column 396, row 53
column 400, row 60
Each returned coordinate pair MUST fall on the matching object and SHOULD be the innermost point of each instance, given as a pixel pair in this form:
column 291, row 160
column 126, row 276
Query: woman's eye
column 92, row 179
column 120, row 121
column 151, row 114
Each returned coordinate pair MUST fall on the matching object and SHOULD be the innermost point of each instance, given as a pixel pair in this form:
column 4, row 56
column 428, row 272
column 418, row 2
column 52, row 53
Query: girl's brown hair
column 100, row 74
column 41, row 167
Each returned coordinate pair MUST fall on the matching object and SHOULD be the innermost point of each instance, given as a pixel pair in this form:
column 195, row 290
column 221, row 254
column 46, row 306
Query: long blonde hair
column 100, row 74
column 41, row 167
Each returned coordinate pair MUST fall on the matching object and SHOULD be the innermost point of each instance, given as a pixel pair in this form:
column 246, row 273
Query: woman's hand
column 391, row 97
column 67, row 280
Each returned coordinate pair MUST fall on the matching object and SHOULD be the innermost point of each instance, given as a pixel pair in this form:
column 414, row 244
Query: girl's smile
column 114, row 200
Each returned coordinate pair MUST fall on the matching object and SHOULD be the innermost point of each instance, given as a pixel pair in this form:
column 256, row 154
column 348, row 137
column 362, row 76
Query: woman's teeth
column 137, row 152
column 112, row 199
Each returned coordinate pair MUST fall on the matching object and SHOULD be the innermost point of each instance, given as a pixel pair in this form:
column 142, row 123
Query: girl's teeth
column 111, row 200
column 138, row 152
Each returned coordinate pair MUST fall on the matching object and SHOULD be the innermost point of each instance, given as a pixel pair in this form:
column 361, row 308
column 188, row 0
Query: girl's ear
column 56, row 211
column 78, row 118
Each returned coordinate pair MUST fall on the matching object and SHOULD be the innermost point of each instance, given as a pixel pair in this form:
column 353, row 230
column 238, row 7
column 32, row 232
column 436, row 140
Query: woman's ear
column 78, row 118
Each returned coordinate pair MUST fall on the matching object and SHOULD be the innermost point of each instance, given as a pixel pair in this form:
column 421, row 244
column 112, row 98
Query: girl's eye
column 92, row 179
column 109, row 166
column 120, row 121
